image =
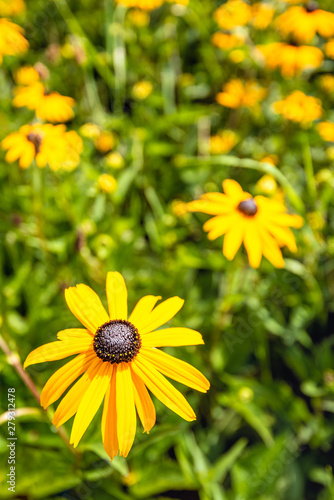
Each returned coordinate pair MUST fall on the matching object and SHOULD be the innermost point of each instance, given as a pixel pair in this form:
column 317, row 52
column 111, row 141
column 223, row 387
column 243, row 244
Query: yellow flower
column 49, row 106
column 105, row 141
column 118, row 360
column 238, row 94
column 12, row 41
column 262, row 15
column 90, row 130
column 141, row 90
column 139, row 17
column 327, row 83
column 291, row 59
column 223, row 142
column 142, row 4
column 107, row 183
column 326, row 130
column 299, row 108
column 303, row 22
column 233, row 13
column 329, row 48
column 47, row 144
column 11, row 7
column 227, row 41
column 267, row 184
column 260, row 223
column 273, row 159
column 26, row 75
column 115, row 160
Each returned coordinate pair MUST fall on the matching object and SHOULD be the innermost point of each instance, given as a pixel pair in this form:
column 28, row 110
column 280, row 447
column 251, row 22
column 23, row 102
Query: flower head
column 303, row 22
column 261, row 223
column 233, row 13
column 262, row 15
column 12, row 41
column 326, row 130
column 327, row 83
column 291, row 59
column 223, row 142
column 237, row 94
column 46, row 143
column 299, row 108
column 142, row 4
column 117, row 360
column 227, row 41
column 107, row 183
column 11, row 8
column 49, row 106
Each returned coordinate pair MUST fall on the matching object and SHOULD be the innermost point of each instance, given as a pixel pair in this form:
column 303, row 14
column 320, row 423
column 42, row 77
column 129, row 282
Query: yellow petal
column 271, row 249
column 217, row 226
column 209, row 207
column 172, row 337
column 74, row 333
column 70, row 403
column 109, row 419
column 86, row 306
column 162, row 389
column 161, row 314
column 117, row 296
column 287, row 220
column 63, row 378
column 91, row 401
column 57, row 350
column 125, row 407
column 176, row 369
column 142, row 309
column 283, row 236
column 253, row 244
column 144, row 404
column 233, row 239
column 232, row 188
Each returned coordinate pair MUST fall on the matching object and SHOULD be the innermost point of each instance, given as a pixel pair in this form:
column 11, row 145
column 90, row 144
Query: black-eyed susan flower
column 260, row 223
column 326, row 130
column 303, row 22
column 117, row 360
column 12, row 7
column 12, row 41
column 26, row 75
column 327, row 83
column 47, row 144
column 300, row 108
column 48, row 106
column 223, row 142
column 262, row 15
column 238, row 94
column 291, row 59
column 233, row 13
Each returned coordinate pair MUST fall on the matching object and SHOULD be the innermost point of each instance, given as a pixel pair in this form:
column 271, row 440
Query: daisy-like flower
column 49, row 106
column 326, row 130
column 303, row 22
column 107, row 183
column 262, row 15
column 300, row 108
column 118, row 360
column 12, row 41
column 48, row 144
column 223, row 142
column 233, row 13
column 291, row 59
column 237, row 94
column 260, row 223
column 11, row 8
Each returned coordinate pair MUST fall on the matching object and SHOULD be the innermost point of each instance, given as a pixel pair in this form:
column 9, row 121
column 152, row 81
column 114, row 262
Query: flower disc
column 117, row 341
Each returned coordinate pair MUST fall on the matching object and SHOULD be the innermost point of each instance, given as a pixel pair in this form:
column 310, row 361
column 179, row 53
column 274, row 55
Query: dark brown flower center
column 36, row 139
column 311, row 6
column 117, row 341
column 248, row 207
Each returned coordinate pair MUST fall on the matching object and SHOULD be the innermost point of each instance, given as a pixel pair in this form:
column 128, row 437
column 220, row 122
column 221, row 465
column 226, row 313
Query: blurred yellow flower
column 48, row 144
column 299, row 108
column 139, row 17
column 303, row 22
column 227, row 41
column 11, row 7
column 179, row 208
column 114, row 160
column 327, row 83
column 233, row 13
column 142, row 4
column 223, row 142
column 107, row 183
column 291, row 59
column 326, row 130
column 105, row 141
column 262, row 15
column 51, row 107
column 26, row 75
column 12, row 41
column 90, row 130
column 267, row 184
column 261, row 223
column 273, row 159
column 238, row 94
column 118, row 359
column 141, row 90
column 329, row 48
column 237, row 56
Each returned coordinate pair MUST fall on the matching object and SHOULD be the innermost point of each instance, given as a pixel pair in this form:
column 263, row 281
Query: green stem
column 233, row 161
column 308, row 165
